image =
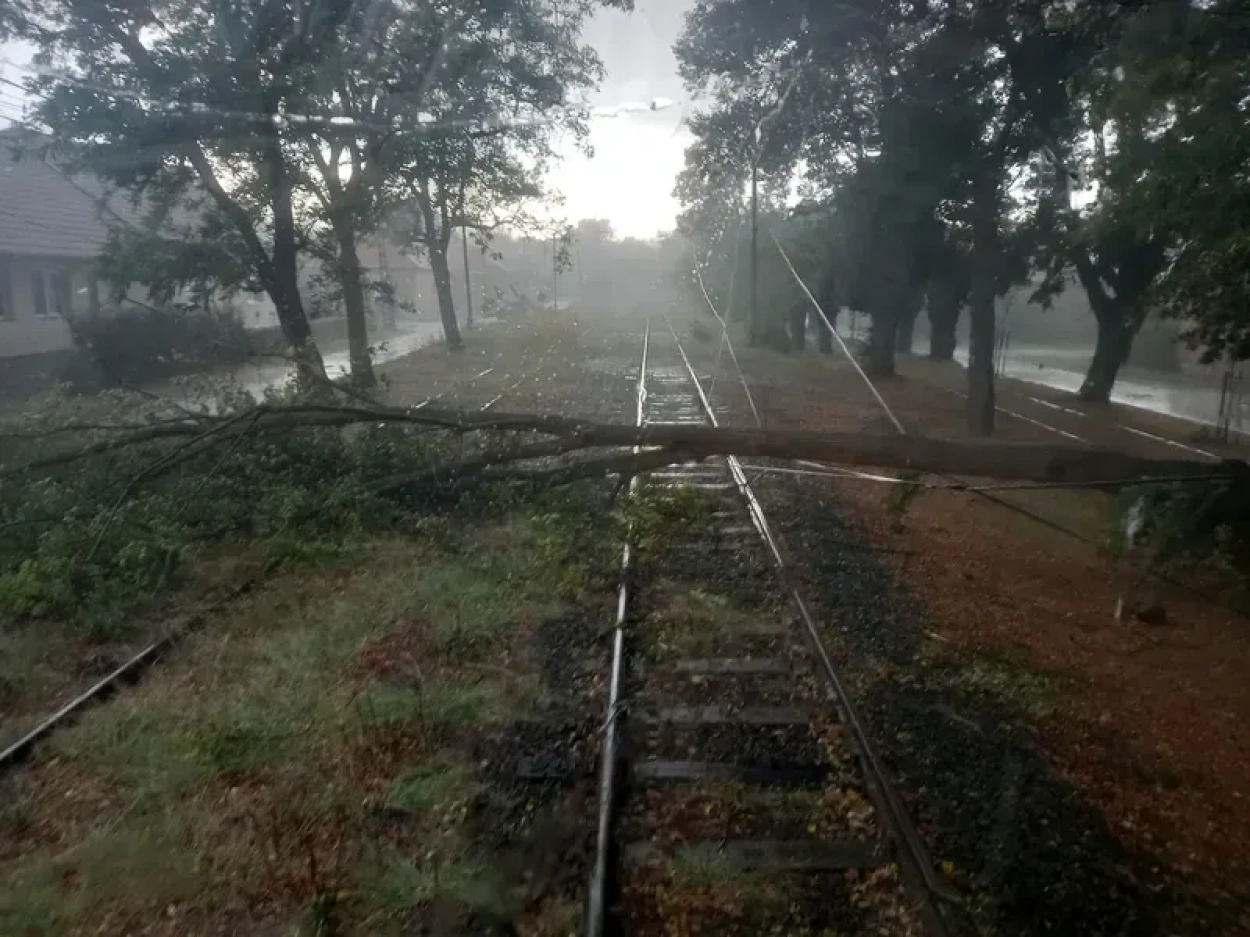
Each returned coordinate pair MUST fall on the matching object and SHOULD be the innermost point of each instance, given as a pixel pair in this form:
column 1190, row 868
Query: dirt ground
column 1153, row 725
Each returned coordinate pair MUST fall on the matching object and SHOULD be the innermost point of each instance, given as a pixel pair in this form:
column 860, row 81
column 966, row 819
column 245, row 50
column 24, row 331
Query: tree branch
column 1008, row 461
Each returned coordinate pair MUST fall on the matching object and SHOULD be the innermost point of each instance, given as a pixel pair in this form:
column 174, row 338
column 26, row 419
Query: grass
column 691, row 869
column 688, row 621
column 1019, row 687
column 431, row 787
column 452, row 703
column 252, row 765
column 401, row 884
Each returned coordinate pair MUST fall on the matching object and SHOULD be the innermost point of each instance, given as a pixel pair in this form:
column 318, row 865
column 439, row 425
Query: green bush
column 89, row 541
column 134, row 344
column 1191, row 525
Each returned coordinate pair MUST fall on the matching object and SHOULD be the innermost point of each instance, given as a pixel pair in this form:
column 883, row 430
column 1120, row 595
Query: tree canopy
column 960, row 148
column 256, row 133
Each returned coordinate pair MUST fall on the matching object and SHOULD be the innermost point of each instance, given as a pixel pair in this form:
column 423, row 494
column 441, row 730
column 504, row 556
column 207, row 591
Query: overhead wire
column 829, row 325
column 340, row 122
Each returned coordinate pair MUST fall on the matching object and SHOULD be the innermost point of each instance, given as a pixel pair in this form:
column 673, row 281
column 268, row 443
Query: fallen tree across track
column 1030, row 462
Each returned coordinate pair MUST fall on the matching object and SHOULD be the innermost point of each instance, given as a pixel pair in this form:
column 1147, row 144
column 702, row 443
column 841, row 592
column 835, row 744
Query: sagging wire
column 727, row 342
column 834, row 332
column 1116, row 483
column 338, row 122
column 755, row 141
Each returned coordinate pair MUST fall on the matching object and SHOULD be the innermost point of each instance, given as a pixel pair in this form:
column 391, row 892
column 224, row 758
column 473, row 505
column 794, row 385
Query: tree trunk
column 352, row 282
column 981, row 313
column 797, row 320
column 824, row 336
column 282, row 284
column 436, row 241
column 1115, row 341
column 943, row 309
column 468, row 279
column 446, row 299
column 881, row 339
column 905, row 332
column 1119, row 314
column 289, row 305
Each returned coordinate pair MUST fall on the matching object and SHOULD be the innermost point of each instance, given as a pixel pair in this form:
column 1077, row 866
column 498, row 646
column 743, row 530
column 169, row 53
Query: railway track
column 739, row 793
column 133, row 668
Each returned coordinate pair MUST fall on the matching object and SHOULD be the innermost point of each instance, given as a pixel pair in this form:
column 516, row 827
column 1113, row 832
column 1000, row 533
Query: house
column 50, row 235
column 53, row 227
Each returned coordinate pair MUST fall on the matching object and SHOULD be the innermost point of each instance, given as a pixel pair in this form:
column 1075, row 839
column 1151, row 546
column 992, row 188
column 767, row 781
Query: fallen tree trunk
column 985, row 459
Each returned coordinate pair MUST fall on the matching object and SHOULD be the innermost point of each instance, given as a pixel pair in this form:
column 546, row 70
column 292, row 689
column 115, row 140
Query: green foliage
column 901, row 123
column 90, row 541
column 135, row 345
column 1191, row 524
column 430, row 788
column 1179, row 88
column 444, row 703
column 662, row 515
column 402, row 884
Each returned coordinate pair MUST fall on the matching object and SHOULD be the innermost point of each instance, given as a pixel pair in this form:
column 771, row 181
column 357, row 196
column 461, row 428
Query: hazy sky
column 629, row 179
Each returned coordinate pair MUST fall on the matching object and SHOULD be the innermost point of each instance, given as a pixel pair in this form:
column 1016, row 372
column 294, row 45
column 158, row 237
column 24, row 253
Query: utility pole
column 755, row 265
column 555, row 274
column 468, row 286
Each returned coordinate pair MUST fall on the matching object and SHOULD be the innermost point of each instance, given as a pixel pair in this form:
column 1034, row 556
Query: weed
column 265, row 735
column 697, row 869
column 470, row 605
column 431, row 787
column 89, row 543
column 142, row 863
column 400, row 884
column 447, row 703
column 660, row 515
column 1023, row 689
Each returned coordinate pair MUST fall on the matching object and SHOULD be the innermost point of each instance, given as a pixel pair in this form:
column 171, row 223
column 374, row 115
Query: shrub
column 134, row 344
column 1191, row 525
column 89, row 541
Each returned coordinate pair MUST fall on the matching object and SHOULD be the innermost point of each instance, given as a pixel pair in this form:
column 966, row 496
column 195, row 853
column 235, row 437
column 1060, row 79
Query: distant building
column 53, row 227
column 50, row 236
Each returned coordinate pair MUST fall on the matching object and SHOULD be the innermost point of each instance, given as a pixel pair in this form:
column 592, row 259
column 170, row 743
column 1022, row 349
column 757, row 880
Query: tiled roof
column 42, row 212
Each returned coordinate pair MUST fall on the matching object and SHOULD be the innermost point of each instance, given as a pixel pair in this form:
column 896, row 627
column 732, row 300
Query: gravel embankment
column 1032, row 857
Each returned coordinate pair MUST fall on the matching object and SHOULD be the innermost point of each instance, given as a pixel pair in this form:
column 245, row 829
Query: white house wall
column 24, row 333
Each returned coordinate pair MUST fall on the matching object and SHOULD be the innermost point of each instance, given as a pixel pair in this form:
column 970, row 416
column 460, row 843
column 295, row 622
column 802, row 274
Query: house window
column 51, row 291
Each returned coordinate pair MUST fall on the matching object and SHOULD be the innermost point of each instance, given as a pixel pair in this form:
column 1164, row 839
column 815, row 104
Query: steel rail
column 597, row 897
column 128, row 672
column 135, row 666
column 914, row 854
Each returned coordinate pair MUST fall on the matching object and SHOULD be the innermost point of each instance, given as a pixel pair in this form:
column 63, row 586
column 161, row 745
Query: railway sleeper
column 766, row 856
column 666, row 771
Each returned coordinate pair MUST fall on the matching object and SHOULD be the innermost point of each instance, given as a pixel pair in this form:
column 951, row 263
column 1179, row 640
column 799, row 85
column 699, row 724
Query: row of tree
column 254, row 134
column 945, row 151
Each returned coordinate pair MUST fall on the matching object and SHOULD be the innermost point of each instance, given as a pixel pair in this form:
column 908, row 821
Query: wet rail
column 739, row 791
column 134, row 667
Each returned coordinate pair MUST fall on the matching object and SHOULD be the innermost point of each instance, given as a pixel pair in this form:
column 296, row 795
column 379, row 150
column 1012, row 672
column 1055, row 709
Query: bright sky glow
column 637, row 156
column 637, row 151
column 629, row 180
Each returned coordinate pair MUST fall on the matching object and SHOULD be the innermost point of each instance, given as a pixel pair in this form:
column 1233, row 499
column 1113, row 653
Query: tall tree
column 189, row 103
column 484, row 133
column 1174, row 93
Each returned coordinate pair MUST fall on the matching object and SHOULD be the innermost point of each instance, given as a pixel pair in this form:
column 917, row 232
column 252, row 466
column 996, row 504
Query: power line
column 829, row 325
column 341, row 122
